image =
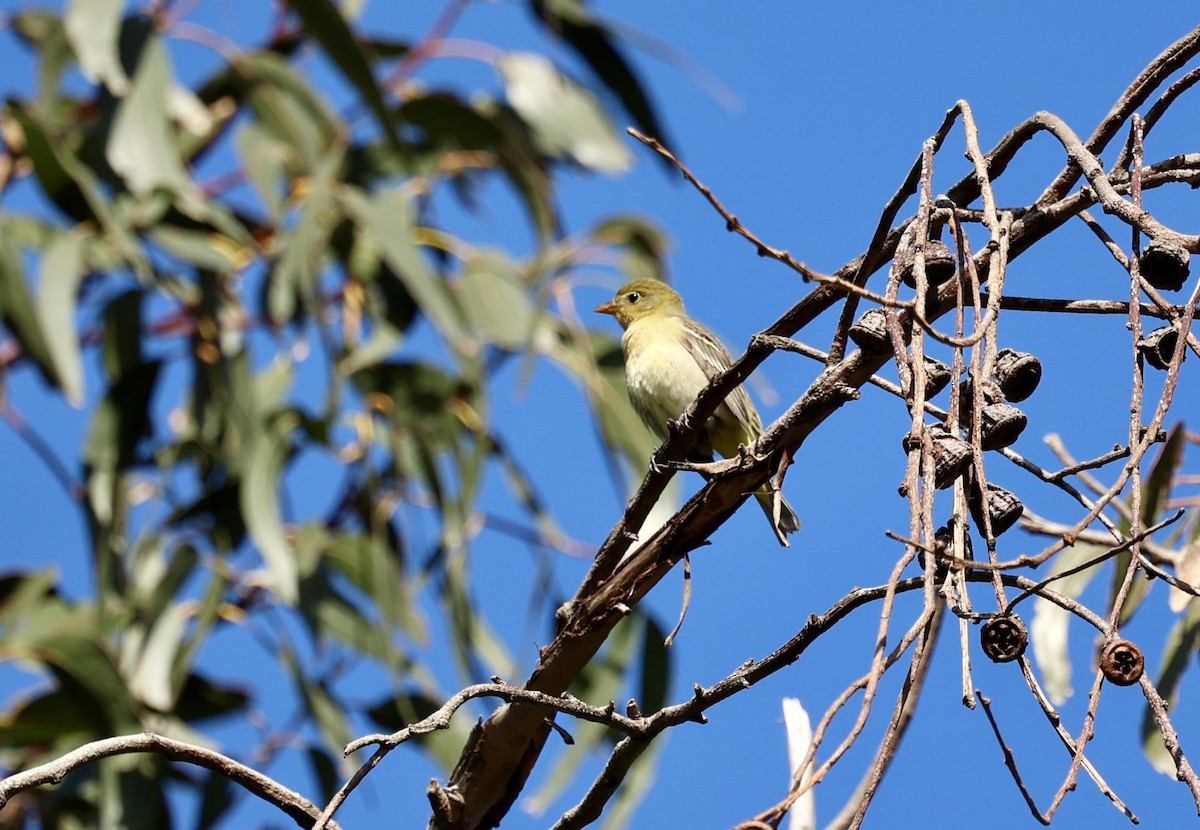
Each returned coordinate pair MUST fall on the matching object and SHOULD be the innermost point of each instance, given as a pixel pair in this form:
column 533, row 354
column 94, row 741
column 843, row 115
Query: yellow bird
column 669, row 360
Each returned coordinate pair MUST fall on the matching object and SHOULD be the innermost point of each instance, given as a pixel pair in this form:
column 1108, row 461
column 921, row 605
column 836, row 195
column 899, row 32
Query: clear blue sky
column 820, row 112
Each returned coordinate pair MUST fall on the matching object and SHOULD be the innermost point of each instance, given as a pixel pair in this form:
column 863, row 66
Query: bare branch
column 300, row 809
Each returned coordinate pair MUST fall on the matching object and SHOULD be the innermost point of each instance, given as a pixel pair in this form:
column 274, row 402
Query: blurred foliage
column 313, row 254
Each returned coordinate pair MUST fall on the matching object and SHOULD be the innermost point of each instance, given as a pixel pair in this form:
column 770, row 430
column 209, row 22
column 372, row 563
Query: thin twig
column 300, row 809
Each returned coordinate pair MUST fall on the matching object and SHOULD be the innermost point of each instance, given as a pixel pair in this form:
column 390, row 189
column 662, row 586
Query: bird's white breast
column 662, row 375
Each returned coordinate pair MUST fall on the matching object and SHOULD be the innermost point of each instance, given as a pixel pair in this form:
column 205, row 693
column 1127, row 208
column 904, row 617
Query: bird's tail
column 786, row 522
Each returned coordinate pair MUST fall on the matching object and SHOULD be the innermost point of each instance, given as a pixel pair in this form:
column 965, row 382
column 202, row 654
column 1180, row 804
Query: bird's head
column 642, row 298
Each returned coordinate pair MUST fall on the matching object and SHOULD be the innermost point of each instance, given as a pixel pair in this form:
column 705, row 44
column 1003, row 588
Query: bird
column 669, row 359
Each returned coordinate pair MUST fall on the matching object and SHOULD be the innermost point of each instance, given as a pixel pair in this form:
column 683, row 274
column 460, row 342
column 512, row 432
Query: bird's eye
column 633, row 296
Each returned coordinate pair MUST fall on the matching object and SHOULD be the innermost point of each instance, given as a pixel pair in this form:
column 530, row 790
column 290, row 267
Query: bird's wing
column 713, row 358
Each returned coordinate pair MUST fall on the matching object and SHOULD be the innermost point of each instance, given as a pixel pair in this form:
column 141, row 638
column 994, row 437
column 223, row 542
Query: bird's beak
column 606, row 308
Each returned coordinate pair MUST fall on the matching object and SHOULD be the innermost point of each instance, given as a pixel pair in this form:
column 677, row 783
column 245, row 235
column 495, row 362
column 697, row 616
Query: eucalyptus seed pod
column 1122, row 662
column 941, row 567
column 870, row 332
column 1001, row 426
column 937, row 377
column 1004, row 639
column 1165, row 264
column 1004, row 508
column 951, row 457
column 1158, row 347
column 943, row 545
column 1017, row 374
column 939, row 264
column 943, row 539
column 991, row 391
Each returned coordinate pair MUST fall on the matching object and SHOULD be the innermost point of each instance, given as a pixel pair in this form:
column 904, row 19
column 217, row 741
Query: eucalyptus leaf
column 55, row 718
column 495, row 301
column 289, row 110
column 645, row 245
column 566, row 117
column 216, row 797
column 388, row 218
column 89, row 664
column 1178, row 654
column 572, row 21
column 1157, row 487
column 296, row 274
column 61, row 273
column 46, row 32
column 1048, row 630
column 152, row 680
column 259, row 495
column 264, row 158
column 200, row 247
column 142, row 147
column 450, row 125
column 93, row 28
column 19, row 314
column 324, row 21
column 72, row 186
column 122, row 420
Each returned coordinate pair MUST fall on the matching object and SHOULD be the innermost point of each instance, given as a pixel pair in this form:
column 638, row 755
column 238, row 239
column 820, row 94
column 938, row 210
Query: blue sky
column 821, row 111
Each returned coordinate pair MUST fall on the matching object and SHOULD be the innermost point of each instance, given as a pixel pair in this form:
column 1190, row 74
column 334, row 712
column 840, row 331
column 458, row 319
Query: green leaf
column 1048, row 630
column 450, row 126
column 296, row 275
column 494, row 300
column 152, row 682
column 1157, row 488
column 571, row 21
column 44, row 31
column 217, row 513
column 326, row 711
column 142, row 146
column 269, row 448
column 157, row 576
column 74, row 187
column 325, row 772
column 93, row 28
column 289, row 110
column 645, row 245
column 19, row 315
column 62, row 717
column 121, row 345
column 264, row 158
column 656, row 668
column 324, row 21
column 374, row 570
column 122, row 420
column 388, row 218
column 62, row 270
column 87, row 663
column 1178, row 651
column 216, row 797
column 21, row 594
column 200, row 247
column 137, row 800
column 200, row 700
column 566, row 118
